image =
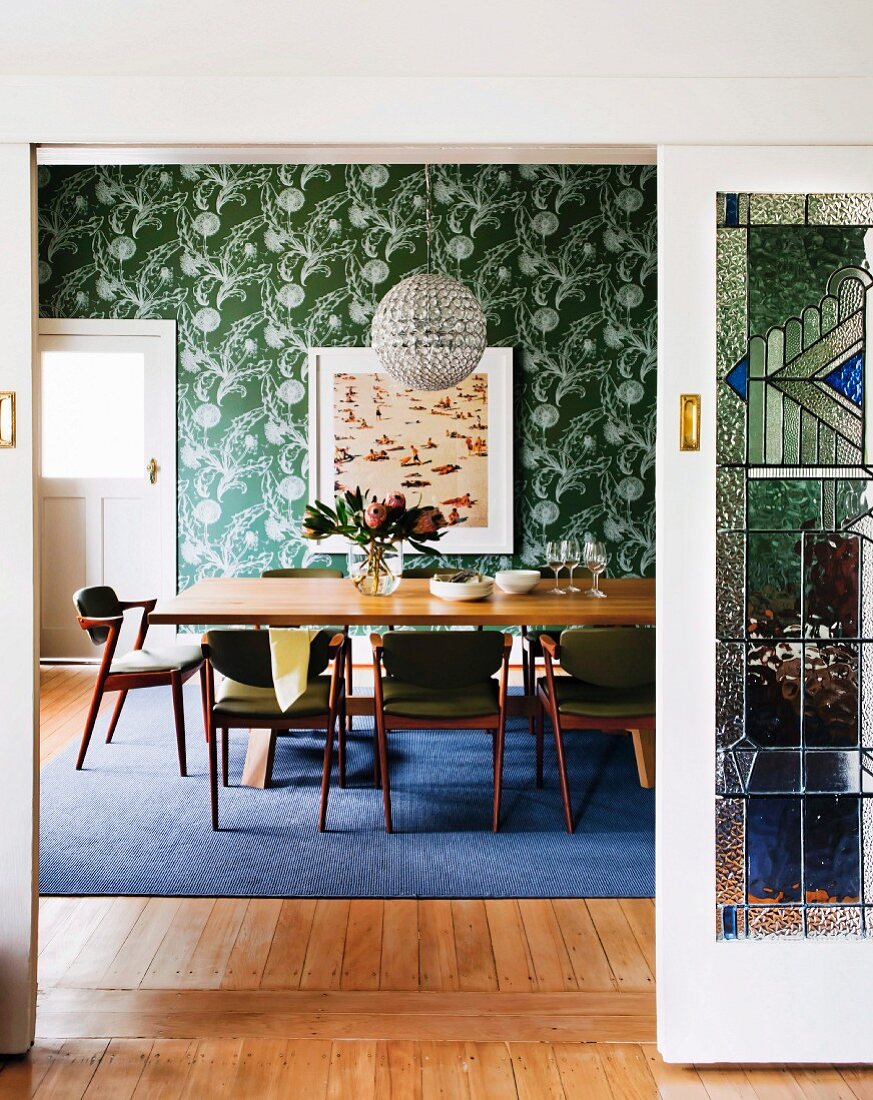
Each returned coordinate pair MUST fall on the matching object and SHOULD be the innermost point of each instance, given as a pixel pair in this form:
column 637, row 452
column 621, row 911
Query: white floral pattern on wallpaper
column 258, row 263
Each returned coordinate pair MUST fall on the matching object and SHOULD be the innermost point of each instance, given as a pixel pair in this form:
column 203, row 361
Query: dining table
column 308, row 601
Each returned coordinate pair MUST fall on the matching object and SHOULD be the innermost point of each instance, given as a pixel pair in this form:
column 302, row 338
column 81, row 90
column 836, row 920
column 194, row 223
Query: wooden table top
column 236, row 601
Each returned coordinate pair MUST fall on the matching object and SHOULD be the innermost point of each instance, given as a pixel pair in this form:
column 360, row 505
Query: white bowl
column 472, row 590
column 517, row 582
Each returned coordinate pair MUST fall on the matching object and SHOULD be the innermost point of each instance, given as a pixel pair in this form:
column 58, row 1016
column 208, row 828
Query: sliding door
column 765, row 832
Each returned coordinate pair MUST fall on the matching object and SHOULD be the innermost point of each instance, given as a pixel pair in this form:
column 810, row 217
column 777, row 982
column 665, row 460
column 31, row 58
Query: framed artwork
column 449, row 448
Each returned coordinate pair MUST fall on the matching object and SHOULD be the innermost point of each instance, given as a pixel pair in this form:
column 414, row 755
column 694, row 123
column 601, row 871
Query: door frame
column 164, row 335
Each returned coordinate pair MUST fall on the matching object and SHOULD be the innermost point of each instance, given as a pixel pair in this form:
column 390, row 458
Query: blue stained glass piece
column 738, row 378
column 729, row 922
column 731, row 209
column 848, row 379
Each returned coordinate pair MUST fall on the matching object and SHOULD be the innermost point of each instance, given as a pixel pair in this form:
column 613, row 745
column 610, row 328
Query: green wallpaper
column 260, row 262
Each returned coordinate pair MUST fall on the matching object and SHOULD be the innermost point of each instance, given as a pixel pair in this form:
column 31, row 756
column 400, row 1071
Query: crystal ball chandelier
column 429, row 330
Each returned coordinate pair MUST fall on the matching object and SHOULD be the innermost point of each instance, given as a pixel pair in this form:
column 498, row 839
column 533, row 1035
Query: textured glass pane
column 791, row 432
column 729, row 689
column 774, row 584
column 774, row 429
column 867, row 848
column 774, row 849
column 821, row 402
column 730, row 504
column 831, row 564
column 727, row 777
column 730, row 434
column 827, row 920
column 775, row 921
column 831, row 848
column 773, row 695
column 830, row 699
column 757, row 421
column 730, row 922
column 732, row 334
column 784, row 504
column 827, row 350
column 730, row 578
column 777, row 209
column 772, row 772
column 730, row 875
column 833, row 772
column 853, row 499
column 848, row 209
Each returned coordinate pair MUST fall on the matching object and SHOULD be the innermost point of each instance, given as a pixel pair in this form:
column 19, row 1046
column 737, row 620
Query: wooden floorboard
column 191, row 1014
column 182, row 998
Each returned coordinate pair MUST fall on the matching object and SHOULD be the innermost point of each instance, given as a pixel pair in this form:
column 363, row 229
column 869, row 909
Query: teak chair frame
column 218, row 720
column 122, row 682
column 640, row 727
column 493, row 723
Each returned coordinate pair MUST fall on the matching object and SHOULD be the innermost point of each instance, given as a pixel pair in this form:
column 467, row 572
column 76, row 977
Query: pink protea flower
column 395, row 501
column 375, row 515
column 429, row 522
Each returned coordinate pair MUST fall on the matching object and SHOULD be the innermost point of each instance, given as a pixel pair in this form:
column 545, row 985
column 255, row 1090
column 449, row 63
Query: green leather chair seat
column 232, row 697
column 172, row 658
column 414, row 701
column 590, row 701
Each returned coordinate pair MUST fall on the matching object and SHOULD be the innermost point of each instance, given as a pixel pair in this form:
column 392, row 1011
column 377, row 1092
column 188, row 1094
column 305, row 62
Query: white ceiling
column 648, row 38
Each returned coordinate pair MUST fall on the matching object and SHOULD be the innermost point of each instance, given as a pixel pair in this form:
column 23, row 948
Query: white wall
column 722, row 1002
column 421, row 110
column 452, row 38
column 18, row 806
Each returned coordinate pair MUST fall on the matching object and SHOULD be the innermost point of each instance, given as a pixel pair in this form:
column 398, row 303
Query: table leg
column 258, row 768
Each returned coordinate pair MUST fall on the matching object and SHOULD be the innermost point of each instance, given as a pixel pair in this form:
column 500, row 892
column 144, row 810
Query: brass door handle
column 152, row 470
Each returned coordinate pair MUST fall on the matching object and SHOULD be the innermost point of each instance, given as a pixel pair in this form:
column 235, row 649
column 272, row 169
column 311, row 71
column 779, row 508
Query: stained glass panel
column 794, row 682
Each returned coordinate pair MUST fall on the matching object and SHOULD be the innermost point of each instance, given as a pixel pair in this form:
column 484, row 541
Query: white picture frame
column 497, row 536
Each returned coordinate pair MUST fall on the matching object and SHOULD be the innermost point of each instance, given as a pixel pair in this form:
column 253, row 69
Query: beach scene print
column 432, row 446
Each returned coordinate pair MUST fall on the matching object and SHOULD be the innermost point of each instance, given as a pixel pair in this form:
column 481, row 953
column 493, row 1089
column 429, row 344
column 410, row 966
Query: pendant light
column 429, row 330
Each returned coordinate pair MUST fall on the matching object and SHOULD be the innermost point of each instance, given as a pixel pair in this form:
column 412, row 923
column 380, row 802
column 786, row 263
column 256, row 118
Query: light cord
column 428, row 214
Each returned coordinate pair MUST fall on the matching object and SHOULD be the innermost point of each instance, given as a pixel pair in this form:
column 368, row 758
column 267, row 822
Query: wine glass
column 595, row 558
column 572, row 557
column 555, row 558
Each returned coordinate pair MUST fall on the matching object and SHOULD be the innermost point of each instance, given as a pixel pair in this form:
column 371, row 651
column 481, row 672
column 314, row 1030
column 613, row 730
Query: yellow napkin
column 289, row 659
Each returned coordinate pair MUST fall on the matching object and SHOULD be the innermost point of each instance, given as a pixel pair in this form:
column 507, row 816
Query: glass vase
column 376, row 567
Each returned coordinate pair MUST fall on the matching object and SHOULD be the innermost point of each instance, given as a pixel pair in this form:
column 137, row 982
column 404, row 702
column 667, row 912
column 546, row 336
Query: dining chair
column 609, row 686
column 445, row 681
column 101, row 614
column 531, row 650
column 245, row 699
column 317, row 572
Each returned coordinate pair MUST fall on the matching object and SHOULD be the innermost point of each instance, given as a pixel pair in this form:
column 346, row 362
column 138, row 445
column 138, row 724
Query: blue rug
column 129, row 824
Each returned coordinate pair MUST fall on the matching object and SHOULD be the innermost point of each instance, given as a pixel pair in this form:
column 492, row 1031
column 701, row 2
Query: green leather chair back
column 442, row 659
column 422, row 572
column 244, row 655
column 98, row 602
column 611, row 657
column 303, row 571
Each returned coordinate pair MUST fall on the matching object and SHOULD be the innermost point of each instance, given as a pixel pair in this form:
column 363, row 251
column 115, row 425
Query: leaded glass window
column 794, row 562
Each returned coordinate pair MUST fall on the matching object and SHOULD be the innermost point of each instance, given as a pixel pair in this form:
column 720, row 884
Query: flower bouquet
column 376, row 532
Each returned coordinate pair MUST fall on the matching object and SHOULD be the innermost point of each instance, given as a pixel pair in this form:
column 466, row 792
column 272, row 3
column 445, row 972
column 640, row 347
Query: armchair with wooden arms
column 101, row 614
column 246, row 698
column 441, row 680
column 610, row 686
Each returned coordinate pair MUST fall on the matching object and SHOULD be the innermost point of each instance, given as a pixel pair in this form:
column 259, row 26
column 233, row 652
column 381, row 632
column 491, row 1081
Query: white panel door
column 755, row 1000
column 107, row 471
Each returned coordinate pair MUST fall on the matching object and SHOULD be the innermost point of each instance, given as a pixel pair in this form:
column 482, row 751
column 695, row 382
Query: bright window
column 92, row 414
